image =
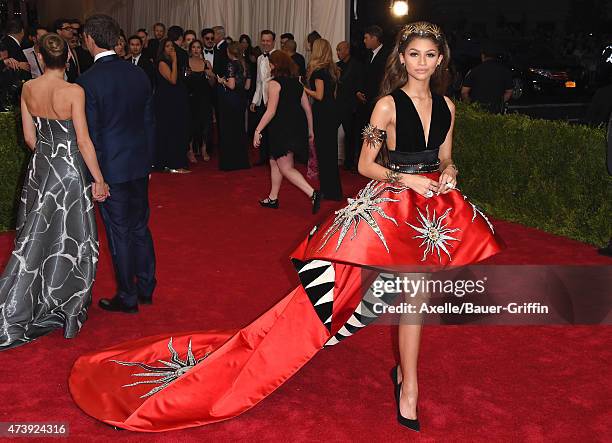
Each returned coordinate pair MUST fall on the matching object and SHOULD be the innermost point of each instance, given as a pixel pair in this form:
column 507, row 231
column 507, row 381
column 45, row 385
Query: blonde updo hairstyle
column 54, row 51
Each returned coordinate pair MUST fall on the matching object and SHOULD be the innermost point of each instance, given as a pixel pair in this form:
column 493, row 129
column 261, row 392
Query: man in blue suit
column 120, row 115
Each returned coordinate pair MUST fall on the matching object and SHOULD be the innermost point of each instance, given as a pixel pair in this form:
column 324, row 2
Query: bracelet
column 452, row 165
column 392, row 177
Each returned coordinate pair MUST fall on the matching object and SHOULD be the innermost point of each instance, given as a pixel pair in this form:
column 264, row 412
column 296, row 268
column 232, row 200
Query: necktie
column 134, row 61
column 208, row 51
column 266, row 54
column 75, row 60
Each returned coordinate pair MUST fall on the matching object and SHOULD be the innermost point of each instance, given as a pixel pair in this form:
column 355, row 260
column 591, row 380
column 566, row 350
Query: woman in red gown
column 410, row 214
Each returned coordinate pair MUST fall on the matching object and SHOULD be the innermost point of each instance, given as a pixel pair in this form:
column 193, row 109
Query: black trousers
column 126, row 216
column 362, row 118
column 347, row 121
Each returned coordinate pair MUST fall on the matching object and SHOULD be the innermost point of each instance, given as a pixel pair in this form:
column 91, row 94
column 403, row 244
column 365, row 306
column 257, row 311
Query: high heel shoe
column 410, row 423
column 269, row 203
column 316, row 201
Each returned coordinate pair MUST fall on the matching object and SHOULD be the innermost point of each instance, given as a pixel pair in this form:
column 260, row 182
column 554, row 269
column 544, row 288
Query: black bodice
column 409, row 132
column 410, row 144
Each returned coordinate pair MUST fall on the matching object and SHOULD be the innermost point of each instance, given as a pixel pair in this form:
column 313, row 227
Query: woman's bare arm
column 82, row 132
column 447, row 166
column 308, row 111
column 29, row 130
column 273, row 94
column 169, row 74
column 319, row 90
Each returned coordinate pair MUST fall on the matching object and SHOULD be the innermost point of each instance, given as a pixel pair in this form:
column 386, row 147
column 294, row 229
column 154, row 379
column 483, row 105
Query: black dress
column 172, row 124
column 288, row 130
column 233, row 151
column 325, row 122
column 200, row 106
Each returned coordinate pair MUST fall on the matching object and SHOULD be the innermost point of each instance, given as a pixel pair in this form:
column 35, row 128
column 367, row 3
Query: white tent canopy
column 328, row 17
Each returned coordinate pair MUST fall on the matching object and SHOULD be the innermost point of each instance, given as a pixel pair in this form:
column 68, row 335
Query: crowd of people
column 211, row 92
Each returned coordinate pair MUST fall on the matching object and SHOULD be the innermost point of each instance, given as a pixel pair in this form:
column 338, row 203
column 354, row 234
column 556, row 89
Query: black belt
column 415, row 168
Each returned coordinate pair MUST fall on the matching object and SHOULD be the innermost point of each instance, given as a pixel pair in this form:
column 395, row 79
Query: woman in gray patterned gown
column 47, row 281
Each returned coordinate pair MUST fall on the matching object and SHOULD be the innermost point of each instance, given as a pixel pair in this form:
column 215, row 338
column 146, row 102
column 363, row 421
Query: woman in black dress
column 286, row 116
column 199, row 80
column 233, row 151
column 322, row 77
column 171, row 103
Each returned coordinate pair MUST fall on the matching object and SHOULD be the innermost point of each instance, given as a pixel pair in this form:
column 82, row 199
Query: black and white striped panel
column 364, row 313
column 318, row 279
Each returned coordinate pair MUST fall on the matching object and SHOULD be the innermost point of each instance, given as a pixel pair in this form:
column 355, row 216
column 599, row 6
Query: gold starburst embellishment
column 434, row 233
column 373, row 136
column 421, row 29
column 363, row 207
column 166, row 374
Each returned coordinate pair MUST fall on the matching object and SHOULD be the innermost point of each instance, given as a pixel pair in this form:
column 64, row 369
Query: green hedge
column 13, row 161
column 546, row 174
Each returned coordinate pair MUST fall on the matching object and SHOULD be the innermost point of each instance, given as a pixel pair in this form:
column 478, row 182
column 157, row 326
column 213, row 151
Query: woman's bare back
column 50, row 98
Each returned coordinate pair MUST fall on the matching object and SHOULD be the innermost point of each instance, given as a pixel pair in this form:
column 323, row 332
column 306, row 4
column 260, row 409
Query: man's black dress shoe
column 114, row 305
column 145, row 300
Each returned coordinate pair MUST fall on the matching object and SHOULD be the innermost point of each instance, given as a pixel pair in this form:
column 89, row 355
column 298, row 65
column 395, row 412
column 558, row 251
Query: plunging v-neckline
column 425, row 137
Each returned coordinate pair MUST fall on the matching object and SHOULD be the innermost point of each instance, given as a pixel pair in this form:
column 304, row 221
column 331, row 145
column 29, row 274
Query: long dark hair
column 396, row 75
column 161, row 53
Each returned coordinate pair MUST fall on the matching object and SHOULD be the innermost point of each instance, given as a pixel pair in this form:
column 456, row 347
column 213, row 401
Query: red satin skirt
column 186, row 379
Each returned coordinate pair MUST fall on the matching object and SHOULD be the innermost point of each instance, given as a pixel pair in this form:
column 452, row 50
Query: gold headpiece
column 422, row 29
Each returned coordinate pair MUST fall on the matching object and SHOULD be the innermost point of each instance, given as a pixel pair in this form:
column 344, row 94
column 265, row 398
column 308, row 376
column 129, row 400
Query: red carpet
column 222, row 260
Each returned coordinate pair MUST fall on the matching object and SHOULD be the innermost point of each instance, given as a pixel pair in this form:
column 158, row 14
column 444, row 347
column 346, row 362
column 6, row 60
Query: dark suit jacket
column 373, row 75
column 149, row 68
column 182, row 62
column 14, row 50
column 121, row 119
column 84, row 57
column 600, row 107
column 152, row 48
column 72, row 71
column 301, row 62
column 348, row 83
column 221, row 59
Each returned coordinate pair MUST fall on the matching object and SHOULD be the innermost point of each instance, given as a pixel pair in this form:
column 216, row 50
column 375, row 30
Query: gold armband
column 373, row 136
